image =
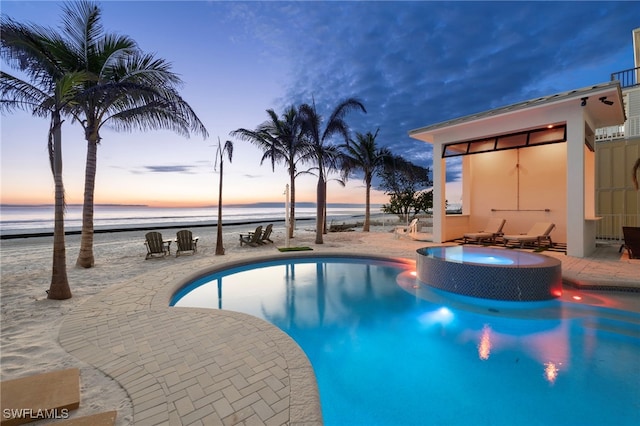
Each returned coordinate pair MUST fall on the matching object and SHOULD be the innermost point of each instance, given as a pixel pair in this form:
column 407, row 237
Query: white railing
column 610, row 133
column 610, row 226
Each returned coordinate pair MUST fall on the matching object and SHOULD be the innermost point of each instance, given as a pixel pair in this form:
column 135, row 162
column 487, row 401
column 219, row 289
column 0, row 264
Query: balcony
column 627, row 78
column 610, row 133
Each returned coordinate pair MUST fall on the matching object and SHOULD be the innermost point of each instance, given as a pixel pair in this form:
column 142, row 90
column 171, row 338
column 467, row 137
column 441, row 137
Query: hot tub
column 490, row 273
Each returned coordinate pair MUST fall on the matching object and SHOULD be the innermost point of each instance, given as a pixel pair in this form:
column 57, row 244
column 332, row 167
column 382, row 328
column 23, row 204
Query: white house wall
column 518, row 186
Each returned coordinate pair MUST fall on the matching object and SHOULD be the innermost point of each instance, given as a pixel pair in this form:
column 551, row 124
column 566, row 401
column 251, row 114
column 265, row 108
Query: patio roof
column 596, row 101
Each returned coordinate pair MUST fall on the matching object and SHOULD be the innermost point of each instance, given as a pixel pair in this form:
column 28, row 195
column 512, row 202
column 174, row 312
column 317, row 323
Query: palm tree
column 319, row 149
column 128, row 90
column 363, row 154
column 634, row 173
column 281, row 140
column 220, row 154
column 52, row 92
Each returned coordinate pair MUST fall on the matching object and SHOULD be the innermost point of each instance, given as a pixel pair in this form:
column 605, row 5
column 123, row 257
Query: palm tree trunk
column 59, row 287
column 85, row 257
column 219, row 241
column 320, row 201
column 324, row 209
column 292, row 207
column 367, row 207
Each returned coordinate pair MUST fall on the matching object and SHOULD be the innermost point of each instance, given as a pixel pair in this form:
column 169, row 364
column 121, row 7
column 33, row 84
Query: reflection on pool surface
column 482, row 255
column 386, row 353
column 478, row 258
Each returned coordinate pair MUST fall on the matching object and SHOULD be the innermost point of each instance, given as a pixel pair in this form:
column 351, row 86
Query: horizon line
column 255, row 204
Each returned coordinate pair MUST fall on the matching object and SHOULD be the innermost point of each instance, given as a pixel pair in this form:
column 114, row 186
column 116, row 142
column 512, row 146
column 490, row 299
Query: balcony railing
column 627, row 78
column 610, row 133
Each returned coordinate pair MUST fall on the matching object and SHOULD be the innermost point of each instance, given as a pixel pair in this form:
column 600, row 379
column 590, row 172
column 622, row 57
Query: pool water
column 388, row 350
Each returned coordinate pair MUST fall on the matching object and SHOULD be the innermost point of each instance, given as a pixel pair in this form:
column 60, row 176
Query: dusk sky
column 412, row 64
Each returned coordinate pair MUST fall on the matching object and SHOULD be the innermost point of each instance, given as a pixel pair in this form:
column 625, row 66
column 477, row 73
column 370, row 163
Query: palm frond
column 81, row 24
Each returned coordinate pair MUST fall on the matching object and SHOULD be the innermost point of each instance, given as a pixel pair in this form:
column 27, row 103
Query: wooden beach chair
column 251, row 238
column 186, row 242
column 266, row 234
column 156, row 246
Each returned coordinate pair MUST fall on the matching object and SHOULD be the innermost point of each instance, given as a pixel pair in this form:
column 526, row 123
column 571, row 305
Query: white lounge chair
column 490, row 232
column 538, row 233
column 406, row 230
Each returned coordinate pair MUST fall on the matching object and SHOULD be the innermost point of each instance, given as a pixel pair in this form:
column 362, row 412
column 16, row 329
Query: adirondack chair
column 156, row 246
column 251, row 238
column 186, row 242
column 266, row 234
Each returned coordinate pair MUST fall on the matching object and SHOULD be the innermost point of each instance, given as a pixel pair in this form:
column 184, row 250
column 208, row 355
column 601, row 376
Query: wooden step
column 46, row 395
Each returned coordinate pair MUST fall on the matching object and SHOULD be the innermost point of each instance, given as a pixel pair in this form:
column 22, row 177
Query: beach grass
column 285, row 249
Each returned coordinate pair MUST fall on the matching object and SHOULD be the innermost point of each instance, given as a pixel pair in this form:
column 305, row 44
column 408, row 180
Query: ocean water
column 15, row 220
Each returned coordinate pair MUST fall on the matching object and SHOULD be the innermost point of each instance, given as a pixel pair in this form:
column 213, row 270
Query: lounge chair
column 631, row 241
column 251, row 238
column 538, row 233
column 406, row 230
column 266, row 234
column 490, row 232
column 186, row 242
column 156, row 246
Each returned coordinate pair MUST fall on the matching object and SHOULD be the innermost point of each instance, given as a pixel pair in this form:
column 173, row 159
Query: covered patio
column 528, row 162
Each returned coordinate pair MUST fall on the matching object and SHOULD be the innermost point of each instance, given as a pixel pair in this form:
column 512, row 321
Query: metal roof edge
column 562, row 96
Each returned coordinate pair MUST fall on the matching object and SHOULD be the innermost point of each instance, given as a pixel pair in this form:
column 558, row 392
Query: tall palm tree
column 281, row 140
column 129, row 90
column 634, row 173
column 51, row 91
column 319, row 149
column 362, row 154
column 220, row 154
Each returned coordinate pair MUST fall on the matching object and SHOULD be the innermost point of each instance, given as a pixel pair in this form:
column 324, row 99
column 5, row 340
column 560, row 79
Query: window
column 524, row 139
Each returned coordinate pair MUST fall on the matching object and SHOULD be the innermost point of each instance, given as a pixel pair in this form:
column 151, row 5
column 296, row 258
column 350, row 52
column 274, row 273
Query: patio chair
column 490, row 232
column 405, row 230
column 156, row 246
column 266, row 234
column 186, row 242
column 251, row 238
column 538, row 233
column 631, row 241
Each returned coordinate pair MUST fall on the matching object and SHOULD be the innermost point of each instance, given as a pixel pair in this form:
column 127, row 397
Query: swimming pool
column 388, row 350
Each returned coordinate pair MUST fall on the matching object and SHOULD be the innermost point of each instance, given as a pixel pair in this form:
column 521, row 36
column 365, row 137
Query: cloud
column 418, row 63
column 171, row 169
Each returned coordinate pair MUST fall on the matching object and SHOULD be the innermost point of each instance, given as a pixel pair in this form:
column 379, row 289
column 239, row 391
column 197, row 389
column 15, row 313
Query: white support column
column 439, row 181
column 575, row 185
column 466, row 184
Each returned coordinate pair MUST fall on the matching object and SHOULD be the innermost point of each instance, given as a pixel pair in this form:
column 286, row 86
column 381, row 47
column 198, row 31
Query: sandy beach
column 31, row 322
